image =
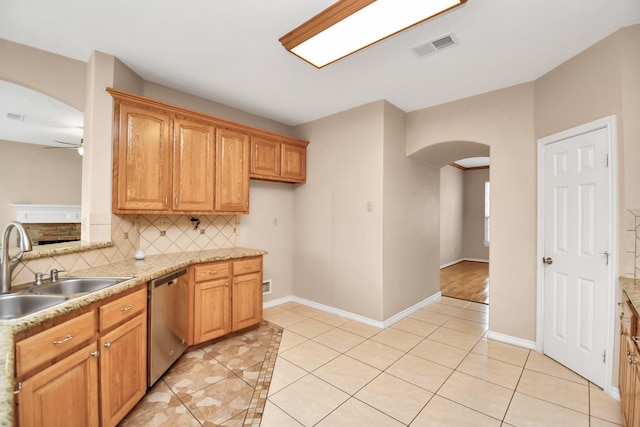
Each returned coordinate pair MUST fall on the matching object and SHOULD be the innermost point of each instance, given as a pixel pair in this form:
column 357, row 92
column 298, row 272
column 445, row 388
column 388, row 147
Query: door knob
column 547, row 260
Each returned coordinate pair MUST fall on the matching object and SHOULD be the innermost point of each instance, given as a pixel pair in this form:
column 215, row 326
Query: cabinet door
column 64, row 394
column 634, row 412
column 193, row 167
column 294, row 163
column 142, row 168
column 123, row 369
column 232, row 171
column 212, row 316
column 628, row 372
column 247, row 300
column 265, row 157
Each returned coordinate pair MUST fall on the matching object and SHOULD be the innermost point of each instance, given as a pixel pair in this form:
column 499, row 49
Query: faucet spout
column 8, row 263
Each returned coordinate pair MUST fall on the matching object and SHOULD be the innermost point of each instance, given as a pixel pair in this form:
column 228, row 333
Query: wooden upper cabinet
column 265, row 157
column 278, row 160
column 142, row 159
column 294, row 163
column 168, row 159
column 232, row 171
column 194, row 165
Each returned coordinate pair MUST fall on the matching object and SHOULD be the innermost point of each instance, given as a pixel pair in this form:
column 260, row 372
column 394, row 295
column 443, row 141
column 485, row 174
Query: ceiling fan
column 72, row 145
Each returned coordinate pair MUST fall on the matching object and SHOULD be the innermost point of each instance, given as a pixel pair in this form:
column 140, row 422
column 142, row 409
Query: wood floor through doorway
column 467, row 280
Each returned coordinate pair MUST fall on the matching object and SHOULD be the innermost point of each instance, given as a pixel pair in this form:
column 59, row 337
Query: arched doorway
column 464, row 218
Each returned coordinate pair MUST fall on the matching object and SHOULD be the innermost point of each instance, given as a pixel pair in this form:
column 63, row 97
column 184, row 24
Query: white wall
column 32, row 174
column 337, row 242
column 410, row 222
column 504, row 120
column 451, row 214
column 473, row 224
column 269, row 226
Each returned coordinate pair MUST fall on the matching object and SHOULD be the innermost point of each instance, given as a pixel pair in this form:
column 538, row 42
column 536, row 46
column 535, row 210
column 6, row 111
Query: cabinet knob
column 127, row 308
column 166, row 201
column 235, row 282
column 226, row 284
column 176, row 201
column 629, row 353
column 107, row 345
column 95, row 353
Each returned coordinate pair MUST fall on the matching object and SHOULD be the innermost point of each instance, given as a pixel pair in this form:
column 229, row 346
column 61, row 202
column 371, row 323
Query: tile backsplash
column 155, row 234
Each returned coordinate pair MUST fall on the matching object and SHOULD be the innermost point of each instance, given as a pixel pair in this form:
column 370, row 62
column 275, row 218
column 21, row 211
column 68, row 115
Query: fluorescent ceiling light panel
column 350, row 25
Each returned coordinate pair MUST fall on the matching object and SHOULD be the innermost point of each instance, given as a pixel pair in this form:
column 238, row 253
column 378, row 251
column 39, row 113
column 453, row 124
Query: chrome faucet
column 7, row 263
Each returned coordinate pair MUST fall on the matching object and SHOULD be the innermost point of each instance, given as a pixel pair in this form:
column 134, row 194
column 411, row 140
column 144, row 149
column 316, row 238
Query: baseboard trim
column 449, row 264
column 486, row 261
column 273, row 303
column 508, row 339
column 353, row 316
column 614, row 392
column 409, row 311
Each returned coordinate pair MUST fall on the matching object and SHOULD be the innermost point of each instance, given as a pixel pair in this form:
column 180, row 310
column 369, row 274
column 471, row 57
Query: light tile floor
column 433, row 368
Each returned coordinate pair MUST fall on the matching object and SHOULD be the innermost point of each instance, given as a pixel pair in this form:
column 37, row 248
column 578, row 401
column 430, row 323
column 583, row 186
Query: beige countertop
column 631, row 286
column 142, row 271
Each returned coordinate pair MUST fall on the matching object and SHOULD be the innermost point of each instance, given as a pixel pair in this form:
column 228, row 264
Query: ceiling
column 228, row 50
column 30, row 116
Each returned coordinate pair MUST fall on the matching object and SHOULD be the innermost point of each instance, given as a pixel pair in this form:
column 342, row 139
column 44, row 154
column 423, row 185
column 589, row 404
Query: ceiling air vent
column 14, row 116
column 440, row 43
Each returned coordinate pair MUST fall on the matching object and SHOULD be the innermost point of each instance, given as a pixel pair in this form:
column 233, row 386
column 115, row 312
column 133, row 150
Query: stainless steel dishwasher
column 168, row 311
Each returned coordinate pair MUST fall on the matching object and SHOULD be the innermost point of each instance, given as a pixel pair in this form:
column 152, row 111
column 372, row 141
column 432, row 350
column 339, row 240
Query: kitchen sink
column 73, row 286
column 13, row 306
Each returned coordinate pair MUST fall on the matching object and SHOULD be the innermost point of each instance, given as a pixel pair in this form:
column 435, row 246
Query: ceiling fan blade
column 73, row 144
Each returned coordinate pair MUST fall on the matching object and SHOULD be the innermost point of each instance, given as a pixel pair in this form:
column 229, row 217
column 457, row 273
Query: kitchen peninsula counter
column 151, row 267
column 631, row 286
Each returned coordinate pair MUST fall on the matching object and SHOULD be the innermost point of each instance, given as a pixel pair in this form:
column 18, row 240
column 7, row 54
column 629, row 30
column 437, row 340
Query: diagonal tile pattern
column 303, row 367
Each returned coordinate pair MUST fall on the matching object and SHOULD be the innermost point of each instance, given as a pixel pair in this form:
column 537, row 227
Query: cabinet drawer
column 252, row 265
column 122, row 309
column 218, row 270
column 47, row 345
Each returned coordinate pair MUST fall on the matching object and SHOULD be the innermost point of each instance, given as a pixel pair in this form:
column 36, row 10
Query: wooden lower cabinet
column 90, row 372
column 212, row 313
column 247, row 300
column 64, row 394
column 226, row 297
column 123, row 369
column 629, row 371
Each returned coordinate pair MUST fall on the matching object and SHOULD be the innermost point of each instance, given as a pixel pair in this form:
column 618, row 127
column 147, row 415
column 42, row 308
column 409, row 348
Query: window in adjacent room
column 487, row 212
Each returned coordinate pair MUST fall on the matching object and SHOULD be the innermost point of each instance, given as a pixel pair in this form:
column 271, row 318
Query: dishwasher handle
column 168, row 279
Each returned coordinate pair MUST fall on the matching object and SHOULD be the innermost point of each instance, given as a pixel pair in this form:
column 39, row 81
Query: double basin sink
column 34, row 298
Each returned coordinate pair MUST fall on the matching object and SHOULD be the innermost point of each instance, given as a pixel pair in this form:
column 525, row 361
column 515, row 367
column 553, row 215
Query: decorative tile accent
column 261, row 391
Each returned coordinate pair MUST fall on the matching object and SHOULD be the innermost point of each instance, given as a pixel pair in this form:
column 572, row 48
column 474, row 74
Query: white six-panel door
column 576, row 251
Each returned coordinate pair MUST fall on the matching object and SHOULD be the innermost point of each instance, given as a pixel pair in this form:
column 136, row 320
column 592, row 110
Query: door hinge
column 604, row 356
column 606, row 160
